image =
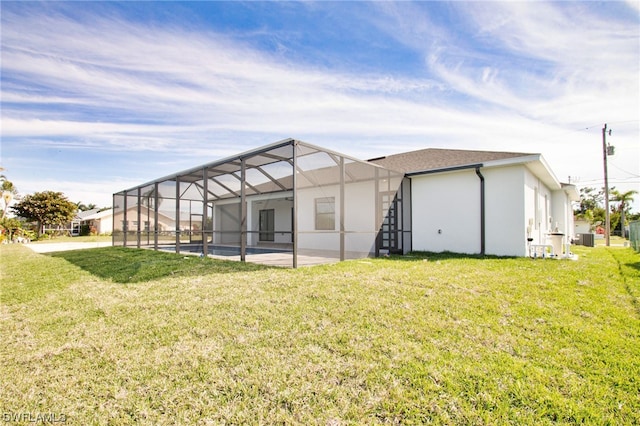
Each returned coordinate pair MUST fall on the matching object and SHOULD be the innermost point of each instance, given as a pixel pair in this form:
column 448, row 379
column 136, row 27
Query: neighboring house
column 583, row 227
column 92, row 218
column 313, row 205
column 99, row 222
column 141, row 222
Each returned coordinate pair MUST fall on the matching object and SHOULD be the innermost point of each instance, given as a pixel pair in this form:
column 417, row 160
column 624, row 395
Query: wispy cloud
column 194, row 79
column 499, row 75
column 176, row 76
column 549, row 61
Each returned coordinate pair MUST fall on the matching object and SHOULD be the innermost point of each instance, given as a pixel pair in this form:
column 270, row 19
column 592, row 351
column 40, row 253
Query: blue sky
column 101, row 96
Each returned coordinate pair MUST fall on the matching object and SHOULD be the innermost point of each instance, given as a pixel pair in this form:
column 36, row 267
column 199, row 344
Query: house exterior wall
column 308, row 238
column 562, row 213
column 227, row 221
column 505, row 230
column 359, row 220
column 103, row 225
column 445, row 211
column 281, row 204
column 538, row 207
column 166, row 224
column 582, row 227
column 100, row 222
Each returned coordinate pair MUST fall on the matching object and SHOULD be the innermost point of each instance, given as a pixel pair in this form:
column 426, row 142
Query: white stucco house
column 307, row 204
column 98, row 220
column 483, row 202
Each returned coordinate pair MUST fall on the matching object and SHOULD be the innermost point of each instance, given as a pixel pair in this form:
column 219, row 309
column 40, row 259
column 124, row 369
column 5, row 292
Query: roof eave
column 444, row 169
column 541, row 169
column 534, row 162
column 571, row 191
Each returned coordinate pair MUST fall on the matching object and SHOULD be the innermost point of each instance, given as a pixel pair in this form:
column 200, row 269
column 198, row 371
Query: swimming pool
column 218, row 250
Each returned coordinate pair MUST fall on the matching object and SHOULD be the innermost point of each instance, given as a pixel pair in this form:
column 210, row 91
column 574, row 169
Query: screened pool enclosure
column 289, row 203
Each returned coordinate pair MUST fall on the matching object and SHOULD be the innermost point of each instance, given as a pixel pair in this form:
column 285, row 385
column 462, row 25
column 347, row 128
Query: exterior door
column 267, row 225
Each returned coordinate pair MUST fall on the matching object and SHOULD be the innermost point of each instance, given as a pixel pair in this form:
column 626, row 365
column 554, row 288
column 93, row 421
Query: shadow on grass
column 626, row 257
column 635, row 265
column 129, row 265
column 446, row 255
column 629, row 269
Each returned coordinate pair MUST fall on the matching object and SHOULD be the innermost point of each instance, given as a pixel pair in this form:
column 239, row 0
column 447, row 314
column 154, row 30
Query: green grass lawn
column 122, row 336
column 613, row 240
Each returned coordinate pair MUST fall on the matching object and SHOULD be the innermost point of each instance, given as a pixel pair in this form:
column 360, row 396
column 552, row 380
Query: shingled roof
column 435, row 159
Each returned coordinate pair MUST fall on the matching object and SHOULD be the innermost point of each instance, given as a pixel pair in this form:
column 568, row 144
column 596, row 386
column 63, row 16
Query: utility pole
column 607, row 220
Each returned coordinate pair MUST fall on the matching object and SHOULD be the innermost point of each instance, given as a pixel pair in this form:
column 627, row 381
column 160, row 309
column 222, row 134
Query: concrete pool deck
column 270, row 259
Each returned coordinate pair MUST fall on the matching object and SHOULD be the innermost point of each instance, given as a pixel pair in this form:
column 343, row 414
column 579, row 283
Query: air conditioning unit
column 588, row 240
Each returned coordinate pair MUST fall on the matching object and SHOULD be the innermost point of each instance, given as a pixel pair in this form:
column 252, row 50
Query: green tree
column 46, row 208
column 625, row 199
column 590, row 200
column 598, row 214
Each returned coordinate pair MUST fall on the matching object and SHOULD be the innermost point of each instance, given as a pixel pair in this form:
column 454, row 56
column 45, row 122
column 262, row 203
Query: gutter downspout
column 482, row 212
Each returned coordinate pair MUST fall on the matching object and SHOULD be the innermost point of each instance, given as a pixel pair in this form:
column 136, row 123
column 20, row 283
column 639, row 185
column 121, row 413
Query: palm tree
column 9, row 191
column 84, row 207
column 624, row 198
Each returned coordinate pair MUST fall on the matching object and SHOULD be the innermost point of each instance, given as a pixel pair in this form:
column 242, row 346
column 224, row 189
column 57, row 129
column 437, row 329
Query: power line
column 615, row 122
column 625, row 171
column 582, row 129
column 600, row 180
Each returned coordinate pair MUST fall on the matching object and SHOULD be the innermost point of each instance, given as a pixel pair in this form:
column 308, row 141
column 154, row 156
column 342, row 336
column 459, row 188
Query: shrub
column 84, row 230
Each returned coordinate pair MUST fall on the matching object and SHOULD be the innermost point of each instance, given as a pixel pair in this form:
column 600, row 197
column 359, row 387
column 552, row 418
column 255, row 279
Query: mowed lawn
column 122, row 336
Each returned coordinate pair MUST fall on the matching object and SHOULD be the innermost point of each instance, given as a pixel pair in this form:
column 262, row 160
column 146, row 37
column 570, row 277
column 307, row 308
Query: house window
column 326, row 214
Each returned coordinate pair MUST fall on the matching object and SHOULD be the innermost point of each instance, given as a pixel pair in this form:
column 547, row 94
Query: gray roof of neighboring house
column 92, row 214
column 435, row 159
column 86, row 213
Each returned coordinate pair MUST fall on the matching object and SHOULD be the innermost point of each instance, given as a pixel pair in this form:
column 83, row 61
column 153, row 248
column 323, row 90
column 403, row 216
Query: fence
column 634, row 235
